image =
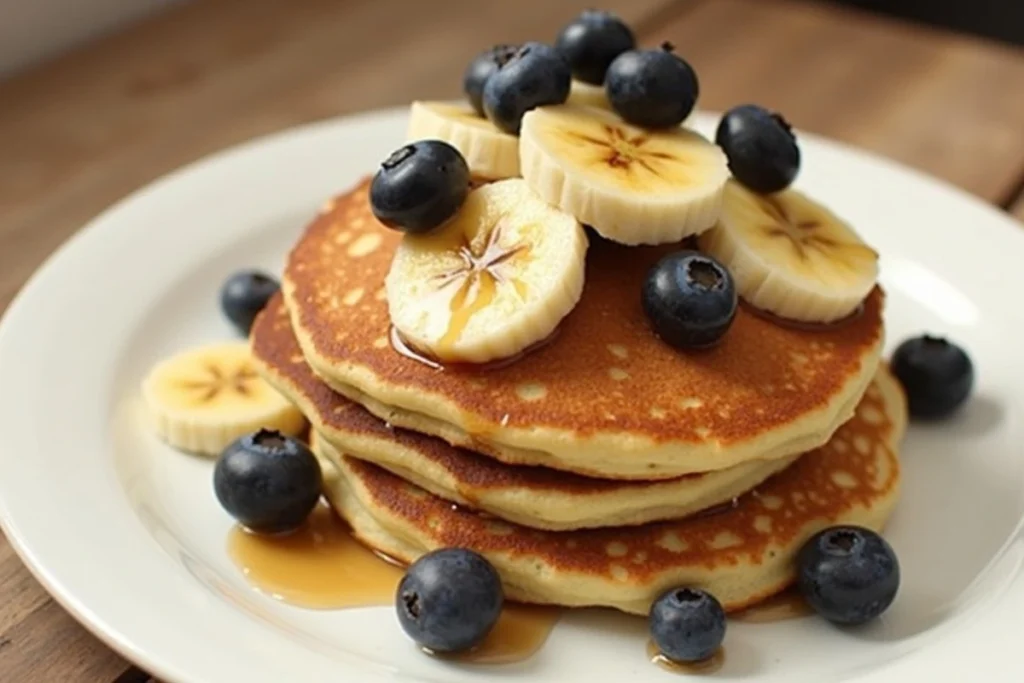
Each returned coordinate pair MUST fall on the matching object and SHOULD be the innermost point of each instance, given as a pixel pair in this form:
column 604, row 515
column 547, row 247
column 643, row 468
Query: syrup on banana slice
column 492, row 281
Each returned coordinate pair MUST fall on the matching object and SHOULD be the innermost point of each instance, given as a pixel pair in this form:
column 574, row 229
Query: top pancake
column 604, row 397
column 536, row 497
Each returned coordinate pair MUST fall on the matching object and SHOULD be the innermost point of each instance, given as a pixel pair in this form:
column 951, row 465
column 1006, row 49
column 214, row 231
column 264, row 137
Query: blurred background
column 31, row 31
column 100, row 97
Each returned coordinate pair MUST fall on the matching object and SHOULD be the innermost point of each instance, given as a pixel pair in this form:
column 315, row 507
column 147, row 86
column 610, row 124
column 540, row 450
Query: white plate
column 128, row 536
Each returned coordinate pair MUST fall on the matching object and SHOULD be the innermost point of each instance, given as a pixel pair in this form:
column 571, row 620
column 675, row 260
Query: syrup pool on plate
column 703, row 667
column 321, row 566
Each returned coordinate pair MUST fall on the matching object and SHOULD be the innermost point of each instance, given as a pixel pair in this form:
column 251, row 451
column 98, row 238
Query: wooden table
column 81, row 132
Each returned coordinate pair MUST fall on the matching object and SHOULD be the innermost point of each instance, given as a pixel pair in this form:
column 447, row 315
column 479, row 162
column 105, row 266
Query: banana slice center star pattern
column 203, row 399
column 634, row 155
column 799, row 231
column 817, row 240
column 477, row 278
column 632, row 185
column 214, row 382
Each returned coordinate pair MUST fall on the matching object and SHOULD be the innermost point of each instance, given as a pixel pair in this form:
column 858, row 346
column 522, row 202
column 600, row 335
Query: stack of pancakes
column 602, row 467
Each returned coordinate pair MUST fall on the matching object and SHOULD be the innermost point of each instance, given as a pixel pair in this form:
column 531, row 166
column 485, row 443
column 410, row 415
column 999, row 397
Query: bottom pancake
column 742, row 553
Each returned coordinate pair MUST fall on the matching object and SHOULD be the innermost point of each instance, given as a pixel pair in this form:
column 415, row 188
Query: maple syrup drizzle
column 703, row 667
column 403, row 348
column 321, row 566
column 480, row 275
column 782, row 607
column 719, row 509
column 521, row 289
column 519, row 634
column 466, row 303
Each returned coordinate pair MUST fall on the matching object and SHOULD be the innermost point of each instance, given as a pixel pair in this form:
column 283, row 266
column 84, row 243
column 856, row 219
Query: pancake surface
column 604, row 397
column 532, row 496
column 741, row 555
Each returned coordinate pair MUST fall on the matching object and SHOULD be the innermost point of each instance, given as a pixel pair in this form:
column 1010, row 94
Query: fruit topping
column 496, row 279
column 761, row 146
column 936, row 374
column 690, row 300
column 244, row 295
column 535, row 76
column 633, row 185
column 420, row 187
column 202, row 399
column 268, row 482
column 652, row 88
column 483, row 66
column 489, row 153
column 791, row 256
column 848, row 574
column 449, row 600
column 591, row 42
column 687, row 625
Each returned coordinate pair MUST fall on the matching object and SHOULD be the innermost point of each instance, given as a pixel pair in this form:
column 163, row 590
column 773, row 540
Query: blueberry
column 848, row 574
column 535, row 76
column 592, row 42
column 760, row 146
column 690, row 299
column 420, row 187
column 268, row 482
column 652, row 88
column 483, row 66
column 449, row 600
column 244, row 295
column 936, row 375
column 687, row 625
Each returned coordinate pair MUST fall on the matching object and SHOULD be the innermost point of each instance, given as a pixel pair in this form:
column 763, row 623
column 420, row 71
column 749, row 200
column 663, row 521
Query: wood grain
column 950, row 105
column 48, row 645
column 82, row 132
column 39, row 641
column 85, row 131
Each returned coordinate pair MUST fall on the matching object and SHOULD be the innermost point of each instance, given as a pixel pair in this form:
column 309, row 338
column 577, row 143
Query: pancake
column 532, row 496
column 742, row 555
column 604, row 397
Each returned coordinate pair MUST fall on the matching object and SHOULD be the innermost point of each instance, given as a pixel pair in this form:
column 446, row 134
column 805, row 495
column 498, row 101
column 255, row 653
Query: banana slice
column 588, row 95
column 791, row 256
column 492, row 281
column 203, row 399
column 490, row 153
column 631, row 185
